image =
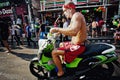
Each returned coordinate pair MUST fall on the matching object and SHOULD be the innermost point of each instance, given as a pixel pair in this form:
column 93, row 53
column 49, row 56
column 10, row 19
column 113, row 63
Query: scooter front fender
column 35, row 58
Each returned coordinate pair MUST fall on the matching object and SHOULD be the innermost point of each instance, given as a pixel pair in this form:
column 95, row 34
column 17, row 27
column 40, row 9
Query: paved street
column 15, row 66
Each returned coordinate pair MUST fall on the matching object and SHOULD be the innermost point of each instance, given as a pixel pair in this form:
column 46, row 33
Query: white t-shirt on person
column 65, row 24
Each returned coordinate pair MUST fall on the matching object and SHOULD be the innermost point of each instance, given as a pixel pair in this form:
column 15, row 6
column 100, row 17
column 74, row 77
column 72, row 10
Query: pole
column 119, row 9
column 29, row 12
column 104, row 14
column 28, row 2
column 14, row 13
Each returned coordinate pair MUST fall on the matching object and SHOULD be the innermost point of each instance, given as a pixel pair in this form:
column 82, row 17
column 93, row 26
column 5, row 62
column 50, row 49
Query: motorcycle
column 96, row 63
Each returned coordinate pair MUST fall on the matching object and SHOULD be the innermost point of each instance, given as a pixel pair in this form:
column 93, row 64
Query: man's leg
column 57, row 61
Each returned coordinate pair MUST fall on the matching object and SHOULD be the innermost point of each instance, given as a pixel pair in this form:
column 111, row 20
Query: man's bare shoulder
column 77, row 15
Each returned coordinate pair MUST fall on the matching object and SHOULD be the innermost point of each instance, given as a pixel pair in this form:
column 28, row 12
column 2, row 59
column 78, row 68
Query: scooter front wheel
column 37, row 70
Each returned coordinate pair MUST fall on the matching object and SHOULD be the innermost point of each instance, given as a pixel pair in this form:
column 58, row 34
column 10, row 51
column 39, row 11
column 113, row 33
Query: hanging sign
column 4, row 4
column 5, row 11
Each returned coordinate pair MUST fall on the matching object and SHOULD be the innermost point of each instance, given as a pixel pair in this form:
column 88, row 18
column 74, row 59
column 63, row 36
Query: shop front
column 13, row 14
column 90, row 8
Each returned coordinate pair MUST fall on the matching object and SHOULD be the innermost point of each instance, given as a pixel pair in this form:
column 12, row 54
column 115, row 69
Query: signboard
column 35, row 4
column 54, row 3
column 54, row 0
column 80, row 2
column 111, row 1
column 4, row 4
column 21, row 10
column 5, row 12
column 51, row 4
column 94, row 0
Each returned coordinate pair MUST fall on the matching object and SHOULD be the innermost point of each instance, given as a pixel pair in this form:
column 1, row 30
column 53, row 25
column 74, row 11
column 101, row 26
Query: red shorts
column 71, row 51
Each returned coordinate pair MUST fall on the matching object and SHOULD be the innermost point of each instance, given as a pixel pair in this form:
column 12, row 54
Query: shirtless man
column 76, row 29
column 94, row 28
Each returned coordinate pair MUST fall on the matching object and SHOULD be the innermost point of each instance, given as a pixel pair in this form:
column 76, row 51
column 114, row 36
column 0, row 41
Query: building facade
column 50, row 9
column 12, row 11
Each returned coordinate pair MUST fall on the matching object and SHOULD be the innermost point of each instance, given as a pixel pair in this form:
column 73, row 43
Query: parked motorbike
column 96, row 63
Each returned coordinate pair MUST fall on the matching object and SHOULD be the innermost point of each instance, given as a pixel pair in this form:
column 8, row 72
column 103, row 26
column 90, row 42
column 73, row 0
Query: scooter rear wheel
column 103, row 72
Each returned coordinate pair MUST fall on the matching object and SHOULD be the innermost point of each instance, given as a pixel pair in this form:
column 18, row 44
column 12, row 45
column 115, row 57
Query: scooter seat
column 94, row 49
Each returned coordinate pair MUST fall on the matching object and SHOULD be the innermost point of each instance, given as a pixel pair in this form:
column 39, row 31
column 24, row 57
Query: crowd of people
column 97, row 28
column 15, row 35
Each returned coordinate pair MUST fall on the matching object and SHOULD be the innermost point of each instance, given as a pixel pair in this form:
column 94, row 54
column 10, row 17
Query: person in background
column 104, row 30
column 65, row 25
column 18, row 34
column 42, row 34
column 12, row 31
column 77, row 30
column 94, row 28
column 60, row 25
column 4, row 33
column 15, row 34
column 19, row 21
column 99, row 27
column 28, row 35
column 115, row 23
column 21, row 36
column 37, row 27
column 56, row 21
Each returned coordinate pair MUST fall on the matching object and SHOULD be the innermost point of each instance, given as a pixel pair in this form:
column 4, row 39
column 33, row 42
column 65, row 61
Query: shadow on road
column 2, row 50
column 24, row 56
column 115, row 78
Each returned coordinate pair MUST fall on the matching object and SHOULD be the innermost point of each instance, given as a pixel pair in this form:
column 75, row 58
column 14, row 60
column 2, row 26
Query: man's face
column 66, row 12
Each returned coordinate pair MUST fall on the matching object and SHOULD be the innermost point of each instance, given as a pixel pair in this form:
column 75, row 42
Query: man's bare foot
column 8, row 52
column 59, row 74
